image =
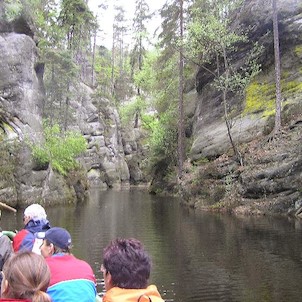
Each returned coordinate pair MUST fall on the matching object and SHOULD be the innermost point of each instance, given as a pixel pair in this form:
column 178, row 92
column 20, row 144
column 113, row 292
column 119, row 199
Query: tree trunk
column 277, row 68
column 113, row 64
column 180, row 104
column 226, row 116
column 93, row 58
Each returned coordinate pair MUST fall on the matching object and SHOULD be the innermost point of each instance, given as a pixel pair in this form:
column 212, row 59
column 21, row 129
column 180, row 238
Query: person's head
column 55, row 240
column 34, row 212
column 126, row 264
column 25, row 276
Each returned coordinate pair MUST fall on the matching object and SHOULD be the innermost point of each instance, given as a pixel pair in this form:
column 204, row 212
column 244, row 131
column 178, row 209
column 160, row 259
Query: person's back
column 34, row 221
column 72, row 279
column 6, row 249
column 126, row 269
column 26, row 277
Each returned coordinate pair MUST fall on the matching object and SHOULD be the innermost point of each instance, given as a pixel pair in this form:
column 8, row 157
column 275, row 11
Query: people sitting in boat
column 126, row 270
column 25, row 278
column 34, row 220
column 6, row 250
column 71, row 279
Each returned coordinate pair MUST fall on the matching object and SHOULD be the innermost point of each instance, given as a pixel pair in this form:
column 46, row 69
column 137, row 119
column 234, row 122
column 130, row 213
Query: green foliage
column 166, row 83
column 209, row 31
column 298, row 51
column 8, row 160
column 142, row 16
column 163, row 140
column 103, row 71
column 60, row 72
column 210, row 37
column 146, row 77
column 149, row 121
column 60, row 149
column 129, row 110
column 12, row 9
column 77, row 22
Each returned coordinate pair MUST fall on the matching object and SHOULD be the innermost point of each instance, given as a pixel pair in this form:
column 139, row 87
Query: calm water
column 196, row 256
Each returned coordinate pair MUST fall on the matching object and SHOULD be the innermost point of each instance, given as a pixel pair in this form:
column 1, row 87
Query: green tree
column 103, row 71
column 142, row 15
column 119, row 71
column 60, row 71
column 211, row 42
column 138, row 52
column 171, row 73
column 78, row 23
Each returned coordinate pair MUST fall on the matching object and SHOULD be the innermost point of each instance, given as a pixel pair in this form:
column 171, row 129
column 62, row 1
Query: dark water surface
column 196, row 256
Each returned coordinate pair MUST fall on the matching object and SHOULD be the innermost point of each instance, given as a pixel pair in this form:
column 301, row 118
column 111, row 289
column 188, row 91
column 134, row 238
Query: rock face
column 21, row 101
column 21, row 96
column 100, row 124
column 209, row 131
column 270, row 180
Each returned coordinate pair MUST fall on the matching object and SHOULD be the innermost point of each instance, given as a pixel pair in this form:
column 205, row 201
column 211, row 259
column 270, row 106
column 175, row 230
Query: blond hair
column 27, row 275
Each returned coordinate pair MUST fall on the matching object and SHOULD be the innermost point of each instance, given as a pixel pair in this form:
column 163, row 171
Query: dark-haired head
column 128, row 264
column 26, row 276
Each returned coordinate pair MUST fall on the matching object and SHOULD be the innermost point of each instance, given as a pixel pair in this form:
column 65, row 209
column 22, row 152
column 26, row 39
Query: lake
column 196, row 256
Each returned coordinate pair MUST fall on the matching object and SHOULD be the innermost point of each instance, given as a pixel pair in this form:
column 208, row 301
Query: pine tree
column 138, row 52
column 118, row 68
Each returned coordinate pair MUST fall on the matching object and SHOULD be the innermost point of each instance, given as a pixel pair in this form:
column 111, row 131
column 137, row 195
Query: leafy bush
column 12, row 9
column 163, row 140
column 60, row 149
column 130, row 110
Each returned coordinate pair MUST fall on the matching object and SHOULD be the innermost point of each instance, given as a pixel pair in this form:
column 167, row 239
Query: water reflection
column 196, row 256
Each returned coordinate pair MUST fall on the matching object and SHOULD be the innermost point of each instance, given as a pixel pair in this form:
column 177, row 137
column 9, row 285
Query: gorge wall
column 270, row 180
column 111, row 159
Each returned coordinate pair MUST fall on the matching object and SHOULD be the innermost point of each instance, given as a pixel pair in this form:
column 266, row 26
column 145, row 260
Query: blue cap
column 57, row 236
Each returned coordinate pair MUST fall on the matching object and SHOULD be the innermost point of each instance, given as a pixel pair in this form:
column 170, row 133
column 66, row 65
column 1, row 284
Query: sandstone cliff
column 21, row 102
column 270, row 180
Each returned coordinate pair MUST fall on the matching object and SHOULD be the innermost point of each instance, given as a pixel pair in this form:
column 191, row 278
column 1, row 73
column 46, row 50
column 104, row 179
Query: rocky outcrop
column 99, row 122
column 209, row 130
column 21, row 96
column 21, row 100
column 270, row 180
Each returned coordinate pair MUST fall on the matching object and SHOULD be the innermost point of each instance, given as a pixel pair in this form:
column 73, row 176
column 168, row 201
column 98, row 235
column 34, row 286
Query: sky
column 106, row 19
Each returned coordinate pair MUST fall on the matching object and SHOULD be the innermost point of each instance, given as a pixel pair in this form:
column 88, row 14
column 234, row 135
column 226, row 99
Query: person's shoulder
column 4, row 239
column 80, row 261
column 136, row 295
column 22, row 232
